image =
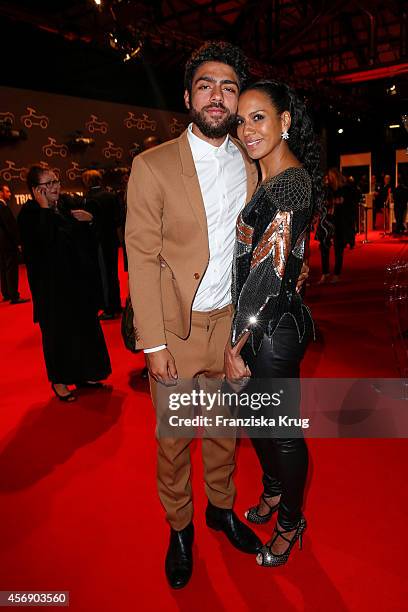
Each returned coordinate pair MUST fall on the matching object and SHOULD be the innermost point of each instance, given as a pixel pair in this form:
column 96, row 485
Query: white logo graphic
column 112, row 151
column 176, row 127
column 11, row 172
column 52, row 148
column 94, row 125
column 74, row 171
column 7, row 119
column 140, row 123
column 33, row 118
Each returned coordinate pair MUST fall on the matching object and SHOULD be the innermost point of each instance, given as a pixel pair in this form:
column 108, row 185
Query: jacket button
column 196, row 275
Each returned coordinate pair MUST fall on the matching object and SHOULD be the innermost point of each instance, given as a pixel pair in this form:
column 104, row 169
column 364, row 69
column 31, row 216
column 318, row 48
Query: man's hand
column 304, row 274
column 162, row 367
column 82, row 215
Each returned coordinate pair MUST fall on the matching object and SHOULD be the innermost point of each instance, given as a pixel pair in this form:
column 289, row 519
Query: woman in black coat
column 60, row 254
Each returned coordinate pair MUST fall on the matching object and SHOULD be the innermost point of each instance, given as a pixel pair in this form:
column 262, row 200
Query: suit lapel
column 191, row 183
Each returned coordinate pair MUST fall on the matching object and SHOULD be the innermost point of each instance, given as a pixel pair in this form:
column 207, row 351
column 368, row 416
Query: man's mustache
column 215, row 105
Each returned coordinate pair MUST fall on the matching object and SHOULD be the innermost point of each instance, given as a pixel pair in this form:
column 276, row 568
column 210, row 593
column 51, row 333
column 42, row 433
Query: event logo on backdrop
column 70, row 135
column 33, row 118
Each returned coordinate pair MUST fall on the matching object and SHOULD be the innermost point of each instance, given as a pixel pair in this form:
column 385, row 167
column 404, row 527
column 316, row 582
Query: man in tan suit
column 183, row 200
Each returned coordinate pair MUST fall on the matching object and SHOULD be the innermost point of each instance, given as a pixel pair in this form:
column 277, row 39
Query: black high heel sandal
column 252, row 515
column 267, row 558
column 69, row 397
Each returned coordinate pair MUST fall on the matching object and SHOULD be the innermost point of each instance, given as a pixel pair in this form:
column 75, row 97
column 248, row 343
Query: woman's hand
column 82, row 215
column 40, row 197
column 304, row 274
column 234, row 365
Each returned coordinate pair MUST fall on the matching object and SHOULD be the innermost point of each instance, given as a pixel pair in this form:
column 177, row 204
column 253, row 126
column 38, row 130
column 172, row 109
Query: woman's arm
column 276, row 239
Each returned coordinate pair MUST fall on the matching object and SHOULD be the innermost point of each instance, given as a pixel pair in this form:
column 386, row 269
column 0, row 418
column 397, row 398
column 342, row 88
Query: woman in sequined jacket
column 272, row 326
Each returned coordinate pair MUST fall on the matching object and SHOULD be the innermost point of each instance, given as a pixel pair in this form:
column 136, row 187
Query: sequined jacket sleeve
column 271, row 235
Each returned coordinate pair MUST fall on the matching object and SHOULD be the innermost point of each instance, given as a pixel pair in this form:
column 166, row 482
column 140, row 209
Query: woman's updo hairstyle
column 302, row 139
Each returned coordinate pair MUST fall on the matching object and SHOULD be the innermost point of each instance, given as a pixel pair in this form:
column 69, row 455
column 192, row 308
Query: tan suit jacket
column 167, row 239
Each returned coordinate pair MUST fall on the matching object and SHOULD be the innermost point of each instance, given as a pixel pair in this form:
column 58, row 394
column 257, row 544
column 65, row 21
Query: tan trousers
column 200, row 356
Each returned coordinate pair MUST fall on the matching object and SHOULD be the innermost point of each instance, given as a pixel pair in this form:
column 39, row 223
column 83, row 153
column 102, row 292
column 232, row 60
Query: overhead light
column 113, row 40
column 391, row 91
column 133, row 53
column 340, row 131
column 394, row 126
column 126, row 41
column 386, row 72
column 98, row 2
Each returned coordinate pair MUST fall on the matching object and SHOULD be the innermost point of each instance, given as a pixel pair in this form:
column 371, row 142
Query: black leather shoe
column 179, row 558
column 240, row 536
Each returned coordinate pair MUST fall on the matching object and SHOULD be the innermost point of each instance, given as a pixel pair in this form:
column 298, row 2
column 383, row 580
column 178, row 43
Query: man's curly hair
column 217, row 51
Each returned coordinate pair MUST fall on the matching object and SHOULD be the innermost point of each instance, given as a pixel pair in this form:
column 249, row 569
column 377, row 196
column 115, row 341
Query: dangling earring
column 285, row 135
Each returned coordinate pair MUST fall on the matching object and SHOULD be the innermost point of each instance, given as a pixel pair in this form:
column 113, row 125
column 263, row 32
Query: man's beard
column 213, row 130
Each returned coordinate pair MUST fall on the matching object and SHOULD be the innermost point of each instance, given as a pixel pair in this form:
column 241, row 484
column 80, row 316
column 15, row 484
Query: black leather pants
column 284, row 461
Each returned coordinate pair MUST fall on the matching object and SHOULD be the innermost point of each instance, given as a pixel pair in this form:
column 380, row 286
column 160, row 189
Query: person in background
column 121, row 194
column 362, row 184
column 107, row 211
column 59, row 249
column 400, row 204
column 382, row 198
column 340, row 206
column 352, row 202
column 374, row 188
column 9, row 250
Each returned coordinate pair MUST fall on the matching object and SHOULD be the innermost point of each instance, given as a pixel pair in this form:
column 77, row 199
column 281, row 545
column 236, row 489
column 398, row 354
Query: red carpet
column 78, row 504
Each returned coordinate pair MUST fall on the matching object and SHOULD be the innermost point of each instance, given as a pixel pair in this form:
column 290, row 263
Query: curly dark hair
column 217, row 51
column 302, row 141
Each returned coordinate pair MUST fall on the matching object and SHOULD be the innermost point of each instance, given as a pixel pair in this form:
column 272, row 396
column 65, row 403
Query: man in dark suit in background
column 9, row 249
column 400, row 204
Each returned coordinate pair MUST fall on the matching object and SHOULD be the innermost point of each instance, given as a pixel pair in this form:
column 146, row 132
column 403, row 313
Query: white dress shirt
column 223, row 182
